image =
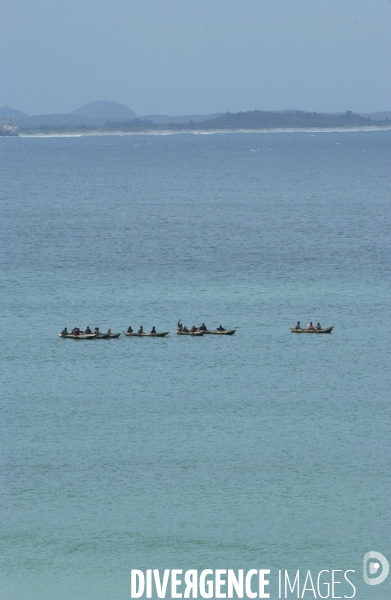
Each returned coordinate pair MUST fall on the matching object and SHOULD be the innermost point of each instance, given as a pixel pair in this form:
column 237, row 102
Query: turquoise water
column 261, row 450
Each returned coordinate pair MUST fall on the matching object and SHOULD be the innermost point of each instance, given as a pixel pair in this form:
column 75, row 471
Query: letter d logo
column 373, row 567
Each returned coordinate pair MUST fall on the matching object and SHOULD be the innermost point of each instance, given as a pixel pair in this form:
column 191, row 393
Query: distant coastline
column 77, row 133
column 111, row 118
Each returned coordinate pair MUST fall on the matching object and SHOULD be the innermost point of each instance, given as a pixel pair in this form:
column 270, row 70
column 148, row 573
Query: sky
column 182, row 57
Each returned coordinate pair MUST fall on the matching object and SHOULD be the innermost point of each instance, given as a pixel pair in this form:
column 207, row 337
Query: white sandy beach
column 41, row 134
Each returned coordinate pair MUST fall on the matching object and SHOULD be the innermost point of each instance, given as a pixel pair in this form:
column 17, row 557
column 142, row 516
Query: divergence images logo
column 371, row 566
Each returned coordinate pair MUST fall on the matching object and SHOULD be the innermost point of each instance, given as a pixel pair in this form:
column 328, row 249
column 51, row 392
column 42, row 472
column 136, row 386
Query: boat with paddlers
column 136, row 334
column 324, row 330
column 106, row 336
column 220, row 332
column 194, row 333
column 80, row 336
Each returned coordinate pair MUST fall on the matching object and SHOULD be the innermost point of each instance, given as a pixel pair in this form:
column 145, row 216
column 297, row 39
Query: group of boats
column 78, row 334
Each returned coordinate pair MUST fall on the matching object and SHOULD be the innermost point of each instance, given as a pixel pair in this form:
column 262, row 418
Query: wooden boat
column 102, row 336
column 325, row 330
column 82, row 336
column 157, row 334
column 113, row 336
column 194, row 333
column 217, row 332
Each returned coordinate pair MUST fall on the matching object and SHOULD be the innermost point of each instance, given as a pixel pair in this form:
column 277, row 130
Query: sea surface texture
column 265, row 450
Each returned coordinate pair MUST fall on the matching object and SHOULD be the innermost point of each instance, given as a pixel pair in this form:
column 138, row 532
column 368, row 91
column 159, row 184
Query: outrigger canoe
column 217, row 332
column 196, row 333
column 326, row 330
column 91, row 336
column 82, row 336
column 157, row 334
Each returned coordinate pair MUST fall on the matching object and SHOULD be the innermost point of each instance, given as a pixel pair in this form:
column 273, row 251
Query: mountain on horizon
column 92, row 114
column 105, row 109
column 7, row 112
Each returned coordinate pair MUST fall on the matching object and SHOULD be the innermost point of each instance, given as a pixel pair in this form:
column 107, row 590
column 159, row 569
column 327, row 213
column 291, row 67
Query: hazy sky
column 196, row 56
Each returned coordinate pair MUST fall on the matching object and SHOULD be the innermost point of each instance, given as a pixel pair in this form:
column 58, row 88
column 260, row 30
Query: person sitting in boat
column 141, row 329
column 153, row 330
column 130, row 330
column 76, row 331
column 180, row 326
column 96, row 330
column 298, row 326
column 220, row 328
column 203, row 327
column 318, row 327
column 108, row 332
column 310, row 326
column 185, row 329
column 64, row 331
column 88, row 330
column 193, row 329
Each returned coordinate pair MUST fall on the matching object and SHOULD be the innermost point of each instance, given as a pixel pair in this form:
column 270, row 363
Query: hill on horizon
column 8, row 112
column 258, row 119
column 93, row 114
column 105, row 109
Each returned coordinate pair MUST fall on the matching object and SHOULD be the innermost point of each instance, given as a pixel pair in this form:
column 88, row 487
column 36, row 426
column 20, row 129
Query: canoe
column 102, row 336
column 135, row 334
column 195, row 333
column 82, row 336
column 113, row 336
column 217, row 332
column 326, row 330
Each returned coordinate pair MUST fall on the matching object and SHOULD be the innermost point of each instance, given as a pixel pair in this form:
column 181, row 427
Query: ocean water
column 261, row 450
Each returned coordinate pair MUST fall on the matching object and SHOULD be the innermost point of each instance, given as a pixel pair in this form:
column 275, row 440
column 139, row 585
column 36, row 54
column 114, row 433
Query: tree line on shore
column 255, row 119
